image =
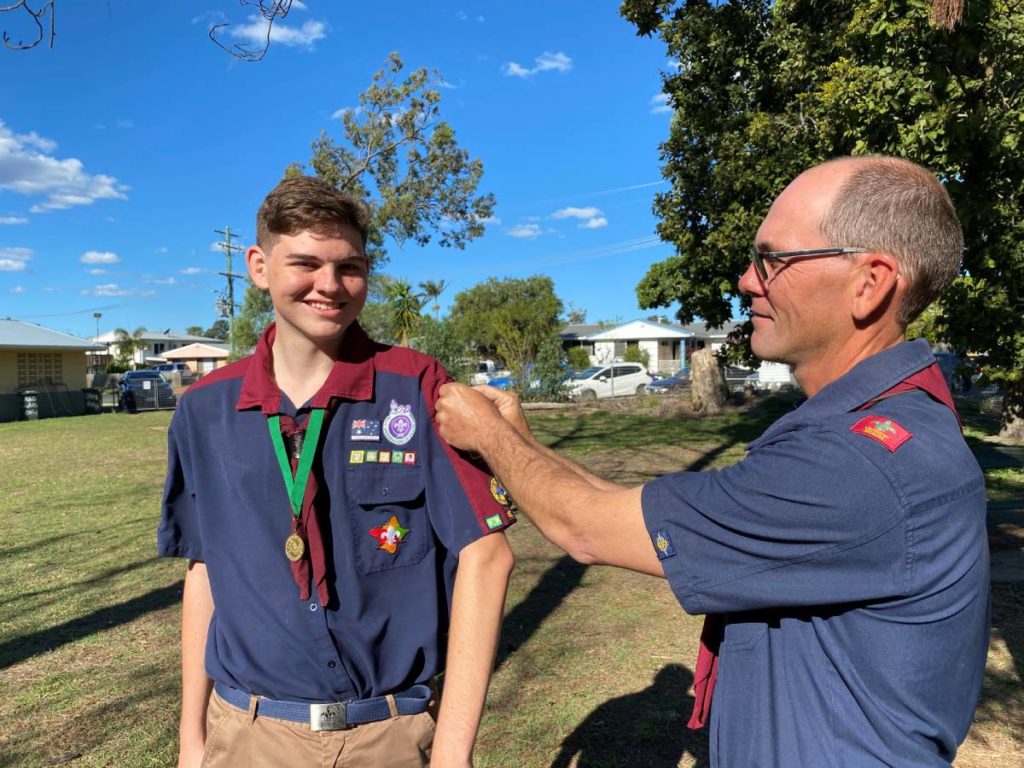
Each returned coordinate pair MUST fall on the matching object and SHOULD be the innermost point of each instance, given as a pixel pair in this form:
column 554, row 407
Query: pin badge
column 400, row 425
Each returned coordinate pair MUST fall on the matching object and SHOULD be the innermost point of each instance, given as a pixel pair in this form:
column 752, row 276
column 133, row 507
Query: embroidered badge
column 371, row 456
column 397, row 457
column 356, row 457
column 365, row 430
column 499, row 493
column 494, row 521
column 409, row 457
column 663, row 544
column 384, row 457
column 882, row 430
column 389, row 535
column 400, row 425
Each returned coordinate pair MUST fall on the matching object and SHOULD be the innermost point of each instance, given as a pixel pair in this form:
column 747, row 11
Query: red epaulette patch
column 884, row 430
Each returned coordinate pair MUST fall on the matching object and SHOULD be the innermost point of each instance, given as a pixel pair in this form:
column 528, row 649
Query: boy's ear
column 256, row 261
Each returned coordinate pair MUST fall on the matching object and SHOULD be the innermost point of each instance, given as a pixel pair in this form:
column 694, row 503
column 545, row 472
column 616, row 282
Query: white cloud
column 598, row 222
column 577, row 213
column 660, row 105
column 14, row 258
column 546, row 62
column 99, row 257
column 161, row 249
column 461, row 15
column 107, row 289
column 96, row 271
column 13, row 220
column 524, row 231
column 192, row 271
column 255, row 33
column 340, row 113
column 161, row 281
column 28, row 169
column 18, row 289
column 125, row 124
column 490, row 220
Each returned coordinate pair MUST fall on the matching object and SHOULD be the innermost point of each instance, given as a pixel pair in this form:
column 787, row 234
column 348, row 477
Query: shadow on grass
column 523, row 620
column 24, row 647
column 641, row 730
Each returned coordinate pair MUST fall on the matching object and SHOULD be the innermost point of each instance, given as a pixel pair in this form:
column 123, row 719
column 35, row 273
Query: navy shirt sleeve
column 806, row 519
column 178, row 532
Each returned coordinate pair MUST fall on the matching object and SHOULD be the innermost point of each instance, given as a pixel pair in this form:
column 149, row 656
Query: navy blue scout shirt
column 853, row 569
column 381, row 469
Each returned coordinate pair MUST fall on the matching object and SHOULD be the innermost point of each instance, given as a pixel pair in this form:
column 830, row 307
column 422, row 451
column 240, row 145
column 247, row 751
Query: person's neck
column 818, row 373
column 300, row 366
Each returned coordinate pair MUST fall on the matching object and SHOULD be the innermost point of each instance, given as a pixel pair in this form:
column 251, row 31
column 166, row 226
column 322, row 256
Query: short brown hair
column 895, row 206
column 301, row 203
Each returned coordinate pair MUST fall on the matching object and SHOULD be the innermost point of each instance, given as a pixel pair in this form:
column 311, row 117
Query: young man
column 843, row 564
column 323, row 519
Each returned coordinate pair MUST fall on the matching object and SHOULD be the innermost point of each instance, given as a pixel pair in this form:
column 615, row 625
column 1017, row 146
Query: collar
column 865, row 382
column 350, row 378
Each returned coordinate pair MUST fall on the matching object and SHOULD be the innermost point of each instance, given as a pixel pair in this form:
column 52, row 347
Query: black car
column 678, row 381
column 145, row 390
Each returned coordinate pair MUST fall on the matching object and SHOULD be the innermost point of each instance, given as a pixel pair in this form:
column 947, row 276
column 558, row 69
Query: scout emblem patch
column 494, row 521
column 389, row 535
column 663, row 544
column 499, row 493
column 882, row 430
column 367, row 430
column 400, row 425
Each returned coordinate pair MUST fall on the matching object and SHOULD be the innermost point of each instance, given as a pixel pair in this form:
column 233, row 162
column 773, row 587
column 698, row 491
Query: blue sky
column 129, row 142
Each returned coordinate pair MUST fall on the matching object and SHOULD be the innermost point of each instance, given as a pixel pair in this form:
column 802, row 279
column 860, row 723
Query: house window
column 158, row 348
column 39, row 368
column 620, row 348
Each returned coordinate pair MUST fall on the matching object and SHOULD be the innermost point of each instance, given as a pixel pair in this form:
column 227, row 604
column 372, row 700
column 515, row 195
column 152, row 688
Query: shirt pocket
column 388, row 516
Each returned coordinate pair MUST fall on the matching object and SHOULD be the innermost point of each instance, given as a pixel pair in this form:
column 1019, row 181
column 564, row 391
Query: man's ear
column 876, row 286
column 256, row 261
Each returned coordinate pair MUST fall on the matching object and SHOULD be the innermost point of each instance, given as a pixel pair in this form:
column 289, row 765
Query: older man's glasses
column 767, row 263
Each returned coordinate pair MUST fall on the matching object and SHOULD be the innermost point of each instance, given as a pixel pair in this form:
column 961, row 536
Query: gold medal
column 294, row 547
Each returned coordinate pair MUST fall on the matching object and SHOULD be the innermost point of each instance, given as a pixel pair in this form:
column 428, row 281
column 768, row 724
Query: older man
column 843, row 564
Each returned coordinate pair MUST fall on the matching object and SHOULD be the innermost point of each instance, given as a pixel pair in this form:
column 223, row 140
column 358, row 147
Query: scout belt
column 337, row 716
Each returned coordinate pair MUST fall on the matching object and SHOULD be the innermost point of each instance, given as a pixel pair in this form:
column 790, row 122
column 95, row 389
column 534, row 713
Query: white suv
column 613, row 380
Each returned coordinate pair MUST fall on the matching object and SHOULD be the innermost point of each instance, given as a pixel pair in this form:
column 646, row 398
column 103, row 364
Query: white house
column 157, row 345
column 200, row 357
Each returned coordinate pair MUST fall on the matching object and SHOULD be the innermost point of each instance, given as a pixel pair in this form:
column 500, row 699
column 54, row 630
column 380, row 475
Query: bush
column 578, row 358
column 634, row 354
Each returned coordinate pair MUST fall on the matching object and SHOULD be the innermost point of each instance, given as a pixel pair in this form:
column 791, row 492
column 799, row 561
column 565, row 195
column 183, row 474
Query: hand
column 468, row 418
column 508, row 406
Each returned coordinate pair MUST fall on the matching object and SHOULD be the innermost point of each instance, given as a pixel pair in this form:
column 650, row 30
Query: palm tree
column 405, row 309
column 432, row 291
column 128, row 344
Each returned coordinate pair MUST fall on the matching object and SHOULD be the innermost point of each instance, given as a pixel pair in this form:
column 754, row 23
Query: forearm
column 196, row 612
column 595, row 522
column 477, row 606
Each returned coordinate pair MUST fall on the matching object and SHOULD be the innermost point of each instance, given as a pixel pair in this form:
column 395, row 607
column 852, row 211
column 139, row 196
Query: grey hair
column 892, row 205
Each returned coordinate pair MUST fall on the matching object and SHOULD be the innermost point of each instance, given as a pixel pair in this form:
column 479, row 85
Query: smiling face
column 801, row 313
column 317, row 284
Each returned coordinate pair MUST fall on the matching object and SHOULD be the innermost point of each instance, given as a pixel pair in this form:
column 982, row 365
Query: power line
column 226, row 303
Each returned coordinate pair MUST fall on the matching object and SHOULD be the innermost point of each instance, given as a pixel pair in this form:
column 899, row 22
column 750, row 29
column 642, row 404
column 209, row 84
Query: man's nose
column 750, row 281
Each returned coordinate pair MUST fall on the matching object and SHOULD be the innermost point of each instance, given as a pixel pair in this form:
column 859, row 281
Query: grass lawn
column 594, row 664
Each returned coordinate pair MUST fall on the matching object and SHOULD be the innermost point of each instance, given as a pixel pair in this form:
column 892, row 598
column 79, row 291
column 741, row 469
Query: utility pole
column 226, row 304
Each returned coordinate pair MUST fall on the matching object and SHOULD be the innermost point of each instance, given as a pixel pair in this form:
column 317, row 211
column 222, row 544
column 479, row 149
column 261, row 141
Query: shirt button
column 312, row 607
column 383, row 491
column 331, row 664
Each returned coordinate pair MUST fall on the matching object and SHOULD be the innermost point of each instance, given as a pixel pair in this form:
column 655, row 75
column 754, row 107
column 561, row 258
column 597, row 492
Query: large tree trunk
column 1013, row 412
column 707, row 383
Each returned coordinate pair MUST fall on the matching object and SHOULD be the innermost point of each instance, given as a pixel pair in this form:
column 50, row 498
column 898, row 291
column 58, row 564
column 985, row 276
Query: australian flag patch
column 365, row 430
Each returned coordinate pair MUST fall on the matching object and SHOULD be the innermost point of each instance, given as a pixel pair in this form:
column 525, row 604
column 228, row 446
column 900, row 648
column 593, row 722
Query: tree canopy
column 762, row 90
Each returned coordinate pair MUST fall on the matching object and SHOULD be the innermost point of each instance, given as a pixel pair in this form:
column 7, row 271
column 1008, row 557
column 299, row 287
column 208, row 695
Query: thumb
column 491, row 393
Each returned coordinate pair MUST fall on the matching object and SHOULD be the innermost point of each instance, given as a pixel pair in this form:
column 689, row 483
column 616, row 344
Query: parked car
column 677, row 381
column 485, row 371
column 613, row 380
column 145, row 389
column 181, row 368
column 736, row 377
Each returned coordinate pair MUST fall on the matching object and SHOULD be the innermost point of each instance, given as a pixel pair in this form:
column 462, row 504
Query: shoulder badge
column 883, row 430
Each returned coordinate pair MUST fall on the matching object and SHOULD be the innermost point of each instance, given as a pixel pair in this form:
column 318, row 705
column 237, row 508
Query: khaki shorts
column 239, row 739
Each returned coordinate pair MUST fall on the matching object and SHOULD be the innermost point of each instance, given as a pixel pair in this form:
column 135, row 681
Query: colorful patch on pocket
column 356, row 457
column 389, row 535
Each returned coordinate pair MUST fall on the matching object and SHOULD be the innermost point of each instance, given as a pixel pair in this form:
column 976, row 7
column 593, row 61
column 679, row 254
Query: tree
column 257, row 313
column 510, row 319
column 405, row 307
column 432, row 291
column 399, row 157
column 219, row 330
column 37, row 11
column 764, row 90
column 634, row 354
column 440, row 339
column 578, row 358
column 128, row 343
column 194, row 330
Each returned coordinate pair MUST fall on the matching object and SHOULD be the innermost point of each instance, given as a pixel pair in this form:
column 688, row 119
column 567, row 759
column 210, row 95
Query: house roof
column 110, row 337
column 17, row 334
column 197, row 351
column 639, row 330
column 579, row 330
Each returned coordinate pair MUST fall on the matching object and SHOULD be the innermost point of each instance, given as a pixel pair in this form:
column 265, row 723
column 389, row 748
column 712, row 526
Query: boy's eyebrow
column 300, row 255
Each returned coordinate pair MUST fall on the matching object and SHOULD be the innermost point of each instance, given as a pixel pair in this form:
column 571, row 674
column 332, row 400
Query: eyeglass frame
column 758, row 258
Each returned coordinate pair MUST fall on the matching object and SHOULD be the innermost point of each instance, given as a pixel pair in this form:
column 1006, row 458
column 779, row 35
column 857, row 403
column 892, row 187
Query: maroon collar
column 350, row 378
column 929, row 379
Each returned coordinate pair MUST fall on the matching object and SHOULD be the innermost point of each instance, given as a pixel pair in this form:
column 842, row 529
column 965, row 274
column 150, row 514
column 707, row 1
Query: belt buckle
column 329, row 717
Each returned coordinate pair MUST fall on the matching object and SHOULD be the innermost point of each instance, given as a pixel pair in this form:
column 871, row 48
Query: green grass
column 593, row 665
